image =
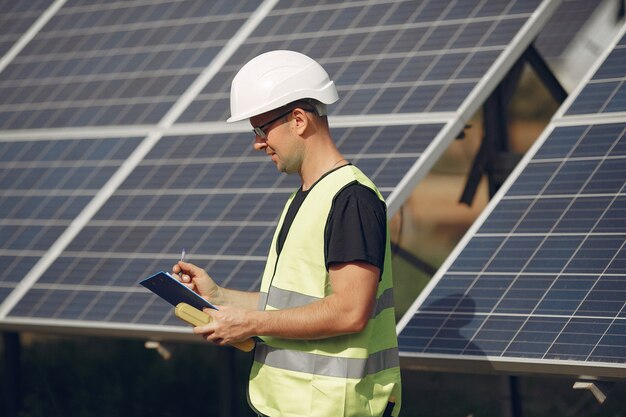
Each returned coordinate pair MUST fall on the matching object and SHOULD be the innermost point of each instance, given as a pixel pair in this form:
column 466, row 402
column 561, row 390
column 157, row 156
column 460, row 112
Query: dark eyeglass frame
column 260, row 130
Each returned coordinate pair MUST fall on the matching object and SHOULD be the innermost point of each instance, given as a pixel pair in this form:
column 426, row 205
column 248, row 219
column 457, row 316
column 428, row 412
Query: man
column 324, row 315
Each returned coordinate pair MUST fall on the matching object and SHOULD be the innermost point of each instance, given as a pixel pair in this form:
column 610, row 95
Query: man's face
column 279, row 142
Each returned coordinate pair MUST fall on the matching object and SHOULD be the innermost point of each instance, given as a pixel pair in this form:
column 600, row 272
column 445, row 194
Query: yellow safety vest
column 347, row 375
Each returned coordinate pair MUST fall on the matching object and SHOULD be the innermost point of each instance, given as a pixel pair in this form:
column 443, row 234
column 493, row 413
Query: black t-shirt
column 356, row 227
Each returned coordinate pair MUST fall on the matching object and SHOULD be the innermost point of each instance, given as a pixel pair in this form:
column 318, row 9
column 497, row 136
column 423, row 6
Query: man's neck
column 320, row 163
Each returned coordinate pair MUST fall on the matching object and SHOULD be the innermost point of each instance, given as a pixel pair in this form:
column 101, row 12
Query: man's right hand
column 197, row 280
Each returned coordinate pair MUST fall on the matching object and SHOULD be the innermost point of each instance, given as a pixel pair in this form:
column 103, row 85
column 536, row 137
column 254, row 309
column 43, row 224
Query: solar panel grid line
column 65, row 81
column 522, row 316
column 17, row 164
column 73, row 101
column 163, row 19
column 549, row 234
column 179, row 223
column 578, row 159
column 205, row 191
column 83, row 133
column 608, row 79
column 105, row 52
column 153, row 255
column 35, row 222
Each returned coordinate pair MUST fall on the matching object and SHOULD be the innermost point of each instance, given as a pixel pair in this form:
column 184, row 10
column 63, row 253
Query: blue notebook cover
column 173, row 291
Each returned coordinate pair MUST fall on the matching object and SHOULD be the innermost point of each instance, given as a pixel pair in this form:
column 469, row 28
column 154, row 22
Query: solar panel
column 16, row 18
column 409, row 74
column 605, row 92
column 386, row 57
column 114, row 63
column 44, row 185
column 537, row 285
column 562, row 28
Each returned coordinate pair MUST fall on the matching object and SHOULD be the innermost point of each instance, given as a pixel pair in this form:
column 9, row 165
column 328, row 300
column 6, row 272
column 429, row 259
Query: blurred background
column 114, row 156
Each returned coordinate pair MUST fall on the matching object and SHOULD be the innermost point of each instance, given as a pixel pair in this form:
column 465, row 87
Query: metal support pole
column 541, row 68
column 228, row 384
column 516, row 396
column 495, row 145
column 12, row 380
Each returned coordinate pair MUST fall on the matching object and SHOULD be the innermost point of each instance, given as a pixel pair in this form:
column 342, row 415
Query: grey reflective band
column 280, row 299
column 332, row 366
column 262, row 300
column 383, row 302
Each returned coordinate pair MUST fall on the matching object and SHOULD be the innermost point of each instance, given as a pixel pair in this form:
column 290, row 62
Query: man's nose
column 259, row 144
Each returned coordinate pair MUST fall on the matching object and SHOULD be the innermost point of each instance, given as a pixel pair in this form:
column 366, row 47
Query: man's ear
column 301, row 119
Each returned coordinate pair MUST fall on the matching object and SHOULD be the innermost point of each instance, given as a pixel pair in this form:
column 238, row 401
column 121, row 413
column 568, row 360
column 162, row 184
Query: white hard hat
column 276, row 78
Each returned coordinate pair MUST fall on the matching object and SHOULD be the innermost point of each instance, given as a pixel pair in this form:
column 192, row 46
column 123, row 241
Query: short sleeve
column 356, row 228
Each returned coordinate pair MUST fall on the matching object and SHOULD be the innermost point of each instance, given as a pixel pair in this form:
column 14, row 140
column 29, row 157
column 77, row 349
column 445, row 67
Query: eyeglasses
column 260, row 130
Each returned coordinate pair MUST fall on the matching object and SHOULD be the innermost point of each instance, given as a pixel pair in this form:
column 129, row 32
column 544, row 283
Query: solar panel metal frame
column 454, row 123
column 516, row 365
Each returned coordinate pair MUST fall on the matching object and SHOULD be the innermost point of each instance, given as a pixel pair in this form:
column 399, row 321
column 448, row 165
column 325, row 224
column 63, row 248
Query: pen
column 182, row 255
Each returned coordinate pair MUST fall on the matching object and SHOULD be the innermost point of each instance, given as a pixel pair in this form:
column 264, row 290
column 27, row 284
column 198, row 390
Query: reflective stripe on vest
column 281, row 299
column 332, row 366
